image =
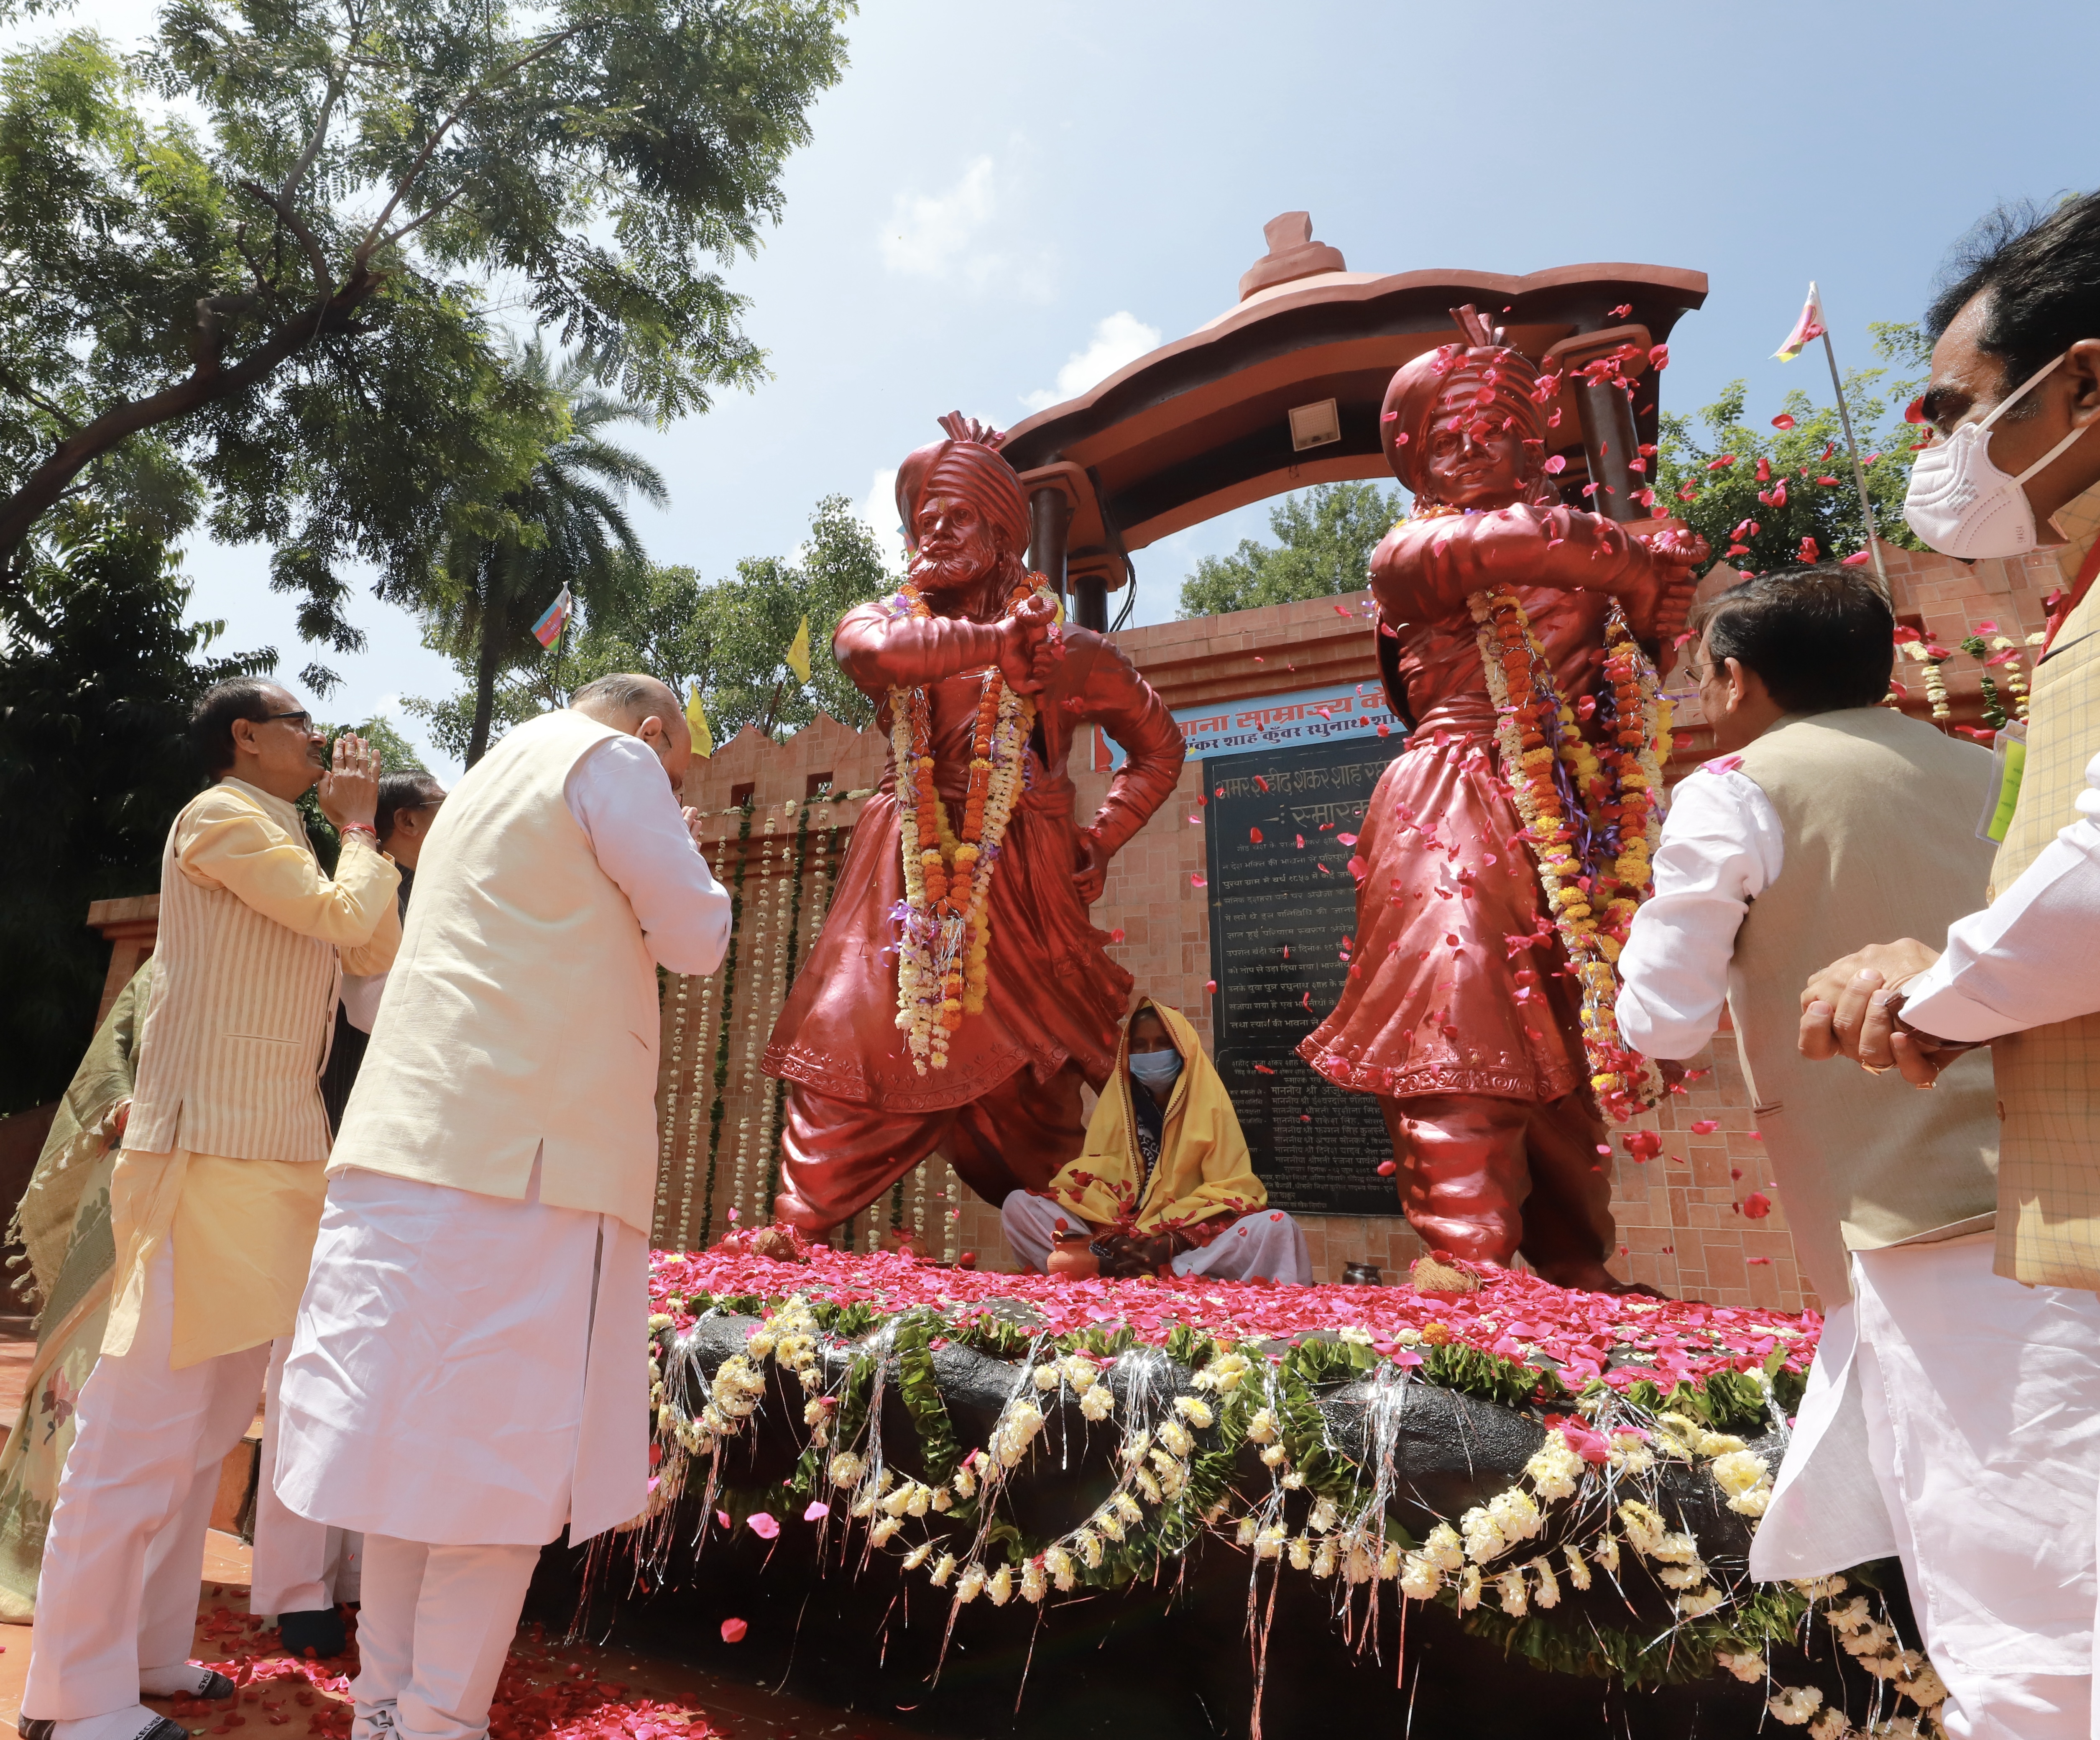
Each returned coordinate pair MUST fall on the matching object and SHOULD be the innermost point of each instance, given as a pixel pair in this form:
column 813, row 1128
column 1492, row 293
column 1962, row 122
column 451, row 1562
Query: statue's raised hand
column 1027, row 634
column 1678, row 547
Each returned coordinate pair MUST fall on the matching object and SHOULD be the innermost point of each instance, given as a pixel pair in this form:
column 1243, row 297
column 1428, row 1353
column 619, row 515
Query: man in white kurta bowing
column 470, row 1371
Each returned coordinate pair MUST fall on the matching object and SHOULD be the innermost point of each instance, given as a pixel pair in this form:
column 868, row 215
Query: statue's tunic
column 1006, row 1110
column 1054, row 993
column 1434, row 1003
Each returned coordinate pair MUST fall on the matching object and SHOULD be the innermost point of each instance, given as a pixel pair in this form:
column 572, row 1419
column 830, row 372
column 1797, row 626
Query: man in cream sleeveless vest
column 213, row 1201
column 2015, row 398
column 470, row 1368
column 1771, row 856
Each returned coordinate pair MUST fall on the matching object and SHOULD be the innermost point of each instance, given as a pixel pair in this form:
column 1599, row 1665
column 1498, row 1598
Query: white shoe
column 137, row 1723
column 184, row 1680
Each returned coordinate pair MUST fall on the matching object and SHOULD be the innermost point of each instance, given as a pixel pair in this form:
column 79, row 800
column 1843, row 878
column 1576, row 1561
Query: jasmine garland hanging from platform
column 1575, row 1475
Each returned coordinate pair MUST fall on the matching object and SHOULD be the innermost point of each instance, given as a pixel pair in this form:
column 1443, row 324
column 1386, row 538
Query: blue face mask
column 1155, row 1069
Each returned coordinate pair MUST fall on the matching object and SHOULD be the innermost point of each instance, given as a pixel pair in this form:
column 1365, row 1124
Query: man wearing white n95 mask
column 2014, row 397
column 469, row 1369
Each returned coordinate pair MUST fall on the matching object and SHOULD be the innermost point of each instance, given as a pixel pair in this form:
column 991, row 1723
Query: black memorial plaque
column 1279, row 911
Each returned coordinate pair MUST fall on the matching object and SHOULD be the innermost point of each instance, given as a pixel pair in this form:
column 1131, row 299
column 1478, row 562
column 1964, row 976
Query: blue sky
column 1001, row 202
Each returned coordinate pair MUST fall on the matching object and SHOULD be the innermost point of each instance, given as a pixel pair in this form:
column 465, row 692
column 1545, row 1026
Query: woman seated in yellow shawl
column 1164, row 1182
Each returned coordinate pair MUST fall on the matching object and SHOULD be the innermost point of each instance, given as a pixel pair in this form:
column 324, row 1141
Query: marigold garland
column 1596, row 870
column 943, row 957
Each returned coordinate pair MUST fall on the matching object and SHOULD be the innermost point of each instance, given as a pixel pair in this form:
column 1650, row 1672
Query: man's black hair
column 1821, row 637
column 410, row 789
column 211, row 722
column 2042, row 272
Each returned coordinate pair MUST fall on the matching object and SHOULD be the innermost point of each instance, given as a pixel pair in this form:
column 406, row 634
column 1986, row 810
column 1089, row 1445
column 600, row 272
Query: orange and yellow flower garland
column 1615, row 782
column 943, row 961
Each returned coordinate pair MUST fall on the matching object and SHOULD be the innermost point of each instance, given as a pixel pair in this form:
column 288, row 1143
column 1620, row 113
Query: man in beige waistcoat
column 213, row 1202
column 1827, row 815
column 2014, row 397
column 470, row 1368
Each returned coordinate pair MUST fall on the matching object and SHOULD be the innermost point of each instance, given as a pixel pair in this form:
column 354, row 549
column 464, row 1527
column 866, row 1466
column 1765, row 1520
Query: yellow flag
column 797, row 654
column 696, row 716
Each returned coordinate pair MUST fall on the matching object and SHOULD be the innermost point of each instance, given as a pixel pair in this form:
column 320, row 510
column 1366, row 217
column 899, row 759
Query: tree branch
column 203, row 386
column 372, row 236
column 324, row 281
column 22, row 390
column 335, row 89
column 443, row 206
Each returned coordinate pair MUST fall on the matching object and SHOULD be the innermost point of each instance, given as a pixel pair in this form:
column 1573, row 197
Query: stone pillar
column 1049, row 518
column 1606, row 410
column 1090, row 601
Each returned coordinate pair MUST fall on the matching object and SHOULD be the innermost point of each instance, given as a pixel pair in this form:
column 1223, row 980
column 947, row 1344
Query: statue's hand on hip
column 1092, row 875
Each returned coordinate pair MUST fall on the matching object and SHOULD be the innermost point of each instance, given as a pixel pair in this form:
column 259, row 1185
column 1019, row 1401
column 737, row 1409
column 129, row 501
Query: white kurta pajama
column 470, row 1368
column 1952, row 1416
column 213, row 1203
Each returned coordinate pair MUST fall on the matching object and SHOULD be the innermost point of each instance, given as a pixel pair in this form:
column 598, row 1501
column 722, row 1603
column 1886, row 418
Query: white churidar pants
column 1268, row 1243
column 436, row 1624
column 122, row 1562
column 300, row 1566
column 467, row 1369
column 1972, row 1404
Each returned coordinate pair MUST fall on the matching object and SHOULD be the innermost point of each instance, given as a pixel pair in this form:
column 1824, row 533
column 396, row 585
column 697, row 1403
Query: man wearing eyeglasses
column 215, row 1201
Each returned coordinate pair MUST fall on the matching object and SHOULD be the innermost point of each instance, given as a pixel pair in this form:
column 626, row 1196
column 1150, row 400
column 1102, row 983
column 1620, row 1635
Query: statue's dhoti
column 836, row 1159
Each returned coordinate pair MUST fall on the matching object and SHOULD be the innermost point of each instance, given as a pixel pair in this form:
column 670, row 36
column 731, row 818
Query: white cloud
column 1120, row 338
column 929, row 235
column 878, row 510
column 948, row 238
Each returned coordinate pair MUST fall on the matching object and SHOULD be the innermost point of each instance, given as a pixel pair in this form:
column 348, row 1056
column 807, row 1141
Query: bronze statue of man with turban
column 1461, row 1012
column 958, row 997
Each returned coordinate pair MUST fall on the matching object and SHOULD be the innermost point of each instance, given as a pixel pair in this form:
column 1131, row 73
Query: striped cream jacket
column 253, row 941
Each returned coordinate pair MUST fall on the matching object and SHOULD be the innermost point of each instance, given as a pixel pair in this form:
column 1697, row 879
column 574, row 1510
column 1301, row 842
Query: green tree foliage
column 746, row 624
column 250, row 263
column 727, row 638
column 563, row 523
column 98, row 675
column 1720, row 473
column 1324, row 537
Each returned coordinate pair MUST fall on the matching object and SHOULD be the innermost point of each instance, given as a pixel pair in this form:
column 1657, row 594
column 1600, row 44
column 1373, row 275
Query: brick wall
column 1680, row 1227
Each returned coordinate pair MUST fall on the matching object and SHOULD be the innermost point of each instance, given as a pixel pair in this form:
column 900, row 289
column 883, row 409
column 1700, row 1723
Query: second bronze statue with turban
column 1459, row 1014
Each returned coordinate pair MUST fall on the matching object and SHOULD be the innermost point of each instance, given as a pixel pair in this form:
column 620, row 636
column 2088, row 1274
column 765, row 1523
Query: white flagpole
column 1852, row 447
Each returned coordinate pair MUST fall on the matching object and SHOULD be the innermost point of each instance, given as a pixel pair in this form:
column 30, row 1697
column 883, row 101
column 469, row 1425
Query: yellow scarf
column 1204, row 1168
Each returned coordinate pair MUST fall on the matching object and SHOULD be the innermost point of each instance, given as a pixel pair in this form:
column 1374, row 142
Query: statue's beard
column 974, row 575
column 955, row 569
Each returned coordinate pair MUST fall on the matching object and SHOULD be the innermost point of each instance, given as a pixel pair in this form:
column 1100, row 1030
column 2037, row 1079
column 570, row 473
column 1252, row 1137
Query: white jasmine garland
column 1549, row 1585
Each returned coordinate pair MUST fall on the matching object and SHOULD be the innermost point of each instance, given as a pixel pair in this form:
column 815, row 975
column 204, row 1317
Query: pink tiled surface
column 1680, row 1224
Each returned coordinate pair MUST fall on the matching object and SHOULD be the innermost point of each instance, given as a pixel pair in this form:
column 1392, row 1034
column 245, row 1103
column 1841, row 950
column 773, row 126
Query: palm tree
column 564, row 524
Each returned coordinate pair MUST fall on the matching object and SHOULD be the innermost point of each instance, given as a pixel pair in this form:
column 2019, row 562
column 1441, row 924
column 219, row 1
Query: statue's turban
column 1479, row 384
column 967, row 466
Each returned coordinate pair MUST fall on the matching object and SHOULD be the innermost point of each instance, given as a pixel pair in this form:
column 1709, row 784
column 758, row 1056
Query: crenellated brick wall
column 1680, row 1226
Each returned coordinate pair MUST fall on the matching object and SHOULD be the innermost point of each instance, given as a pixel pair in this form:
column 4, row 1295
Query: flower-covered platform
column 989, row 1504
